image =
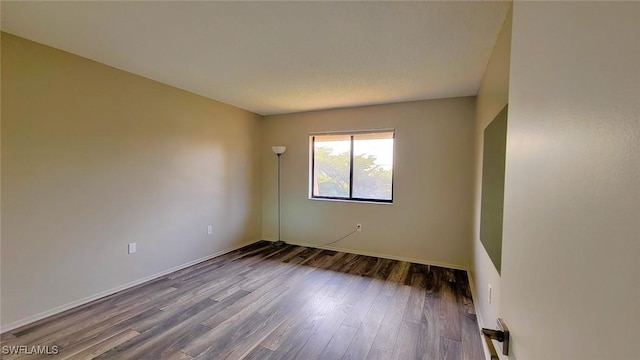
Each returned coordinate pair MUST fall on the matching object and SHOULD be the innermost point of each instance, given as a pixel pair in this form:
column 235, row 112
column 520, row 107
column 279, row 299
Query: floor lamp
column 279, row 150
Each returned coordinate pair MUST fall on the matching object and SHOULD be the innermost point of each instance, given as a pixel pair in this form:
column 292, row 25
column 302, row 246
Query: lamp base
column 279, row 243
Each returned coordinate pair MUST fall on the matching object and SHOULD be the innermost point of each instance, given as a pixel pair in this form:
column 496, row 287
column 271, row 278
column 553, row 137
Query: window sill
column 352, row 201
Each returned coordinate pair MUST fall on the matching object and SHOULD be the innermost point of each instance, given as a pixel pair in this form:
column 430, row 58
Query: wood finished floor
column 263, row 302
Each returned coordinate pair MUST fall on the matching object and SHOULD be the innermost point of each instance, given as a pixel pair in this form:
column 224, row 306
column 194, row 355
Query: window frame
column 350, row 198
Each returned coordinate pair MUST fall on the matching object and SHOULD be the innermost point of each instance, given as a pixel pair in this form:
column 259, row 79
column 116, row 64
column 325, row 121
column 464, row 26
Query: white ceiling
column 279, row 57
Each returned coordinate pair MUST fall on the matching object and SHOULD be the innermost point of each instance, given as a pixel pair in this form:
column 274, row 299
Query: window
column 352, row 166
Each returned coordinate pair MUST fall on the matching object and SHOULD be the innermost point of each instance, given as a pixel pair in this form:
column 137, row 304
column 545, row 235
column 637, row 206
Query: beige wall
column 94, row 158
column 492, row 97
column 571, row 249
column 430, row 219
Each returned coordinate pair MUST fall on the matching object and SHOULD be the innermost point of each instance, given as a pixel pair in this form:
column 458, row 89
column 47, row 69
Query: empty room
column 320, row 180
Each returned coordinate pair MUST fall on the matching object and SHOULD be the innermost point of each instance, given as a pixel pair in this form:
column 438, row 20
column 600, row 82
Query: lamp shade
column 279, row 150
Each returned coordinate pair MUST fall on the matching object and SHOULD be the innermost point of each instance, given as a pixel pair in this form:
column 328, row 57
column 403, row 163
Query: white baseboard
column 480, row 322
column 88, row 299
column 384, row 256
column 474, row 295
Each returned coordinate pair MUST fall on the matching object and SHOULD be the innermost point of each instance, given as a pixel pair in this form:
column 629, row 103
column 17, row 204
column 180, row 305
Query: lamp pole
column 279, row 150
column 280, row 242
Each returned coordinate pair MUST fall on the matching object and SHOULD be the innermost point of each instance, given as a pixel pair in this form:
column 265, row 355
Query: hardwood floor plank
column 97, row 349
column 42, row 329
column 298, row 317
column 449, row 313
column 243, row 307
column 383, row 269
column 232, row 338
column 217, row 306
column 339, row 343
column 266, row 302
column 262, row 274
column 177, row 356
column 65, row 327
column 471, row 344
column 416, row 298
column 314, row 346
column 322, row 259
column 258, row 353
column 292, row 312
column 163, row 332
column 7, row 338
column 399, row 272
column 299, row 336
column 301, row 289
column 373, row 266
column 464, row 291
column 428, row 346
column 368, row 329
column 351, row 301
column 356, row 315
column 146, row 293
column 105, row 329
column 240, row 264
column 311, row 255
column 232, row 319
column 388, row 332
column 434, row 279
column 197, row 294
column 249, row 338
column 333, row 316
column 406, row 345
column 172, row 345
column 450, row 349
column 377, row 354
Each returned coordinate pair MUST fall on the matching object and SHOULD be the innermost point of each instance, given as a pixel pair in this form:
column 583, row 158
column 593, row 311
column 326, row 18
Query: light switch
column 132, row 248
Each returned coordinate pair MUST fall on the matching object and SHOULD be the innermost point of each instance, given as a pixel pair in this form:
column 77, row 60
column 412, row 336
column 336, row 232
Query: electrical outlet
column 209, row 230
column 358, row 227
column 489, row 293
column 132, row 248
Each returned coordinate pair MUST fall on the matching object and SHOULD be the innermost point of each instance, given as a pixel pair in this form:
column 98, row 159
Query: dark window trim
column 350, row 197
column 350, row 166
